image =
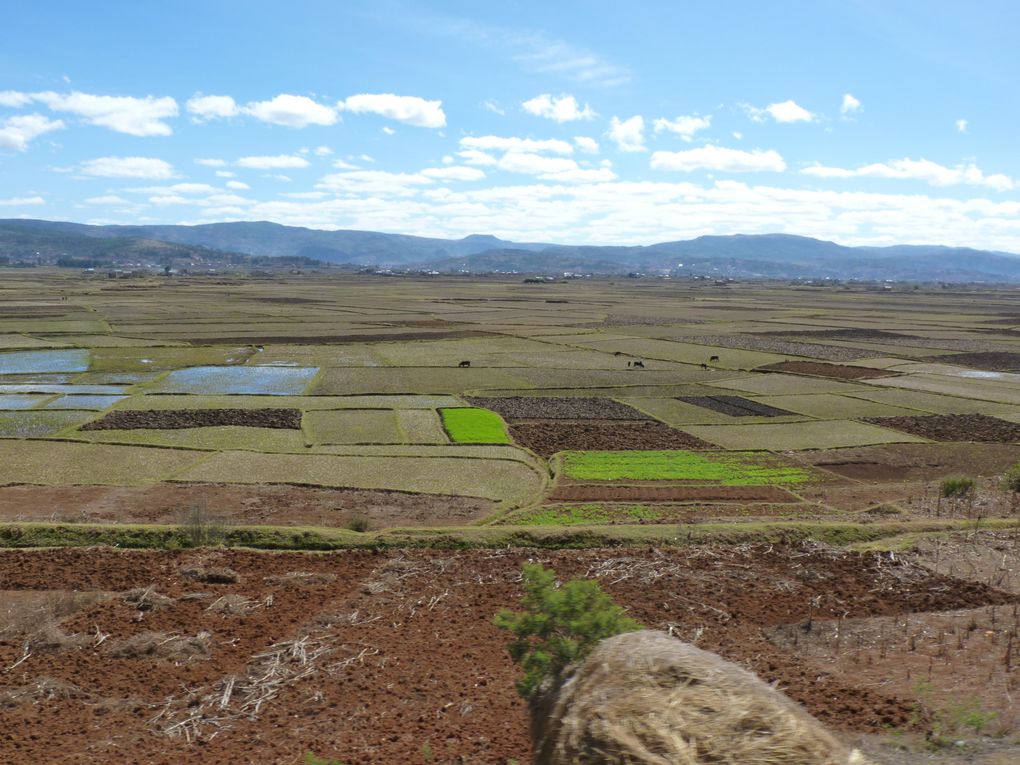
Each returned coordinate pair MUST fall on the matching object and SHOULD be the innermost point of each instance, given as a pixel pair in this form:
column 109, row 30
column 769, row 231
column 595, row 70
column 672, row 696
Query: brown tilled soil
column 335, row 339
column 913, row 462
column 237, row 504
column 602, row 492
column 735, row 406
column 130, row 419
column 818, row 369
column 547, row 438
column 954, row 427
column 515, row 408
column 774, row 344
column 392, row 657
column 991, row 360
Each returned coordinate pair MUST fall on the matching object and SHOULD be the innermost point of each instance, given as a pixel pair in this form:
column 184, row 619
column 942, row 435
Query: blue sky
column 858, row 121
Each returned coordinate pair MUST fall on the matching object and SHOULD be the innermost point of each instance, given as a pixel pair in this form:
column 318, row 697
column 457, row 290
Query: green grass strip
column 467, row 425
column 727, row 469
column 42, row 535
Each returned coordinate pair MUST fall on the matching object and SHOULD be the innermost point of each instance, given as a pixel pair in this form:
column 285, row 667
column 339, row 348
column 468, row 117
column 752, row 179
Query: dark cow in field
column 704, row 366
column 464, row 364
column 636, row 364
column 714, row 358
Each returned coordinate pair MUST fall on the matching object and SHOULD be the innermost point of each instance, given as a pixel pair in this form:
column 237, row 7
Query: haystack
column 645, row 698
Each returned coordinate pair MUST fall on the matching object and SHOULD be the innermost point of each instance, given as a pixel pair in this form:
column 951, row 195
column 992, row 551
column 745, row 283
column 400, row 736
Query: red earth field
column 384, row 657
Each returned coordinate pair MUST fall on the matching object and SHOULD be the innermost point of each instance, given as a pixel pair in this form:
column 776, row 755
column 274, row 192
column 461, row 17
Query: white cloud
column 305, row 194
column 373, row 182
column 491, row 105
column 277, row 162
column 14, row 99
column 684, row 126
column 785, row 111
column 563, row 108
column 16, row 132
column 454, row 173
column 212, row 107
column 719, row 159
column 410, row 110
column 211, row 162
column 500, row 143
column 924, row 170
column 961, row 126
column 292, row 111
column 340, row 164
column 107, row 199
column 323, row 151
column 586, row 144
column 628, row 135
column 237, row 185
column 22, row 201
column 849, row 105
column 128, row 167
column 123, row 114
column 388, row 130
column 225, row 174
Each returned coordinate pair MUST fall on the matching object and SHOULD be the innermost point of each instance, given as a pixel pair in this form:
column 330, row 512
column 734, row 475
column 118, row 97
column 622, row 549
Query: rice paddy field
column 756, row 447
column 498, row 391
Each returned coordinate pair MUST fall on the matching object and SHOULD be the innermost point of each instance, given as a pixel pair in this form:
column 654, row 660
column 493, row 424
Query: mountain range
column 761, row 256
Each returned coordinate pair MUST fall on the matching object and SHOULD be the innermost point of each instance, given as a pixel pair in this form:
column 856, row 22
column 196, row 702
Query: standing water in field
column 273, row 381
column 34, row 362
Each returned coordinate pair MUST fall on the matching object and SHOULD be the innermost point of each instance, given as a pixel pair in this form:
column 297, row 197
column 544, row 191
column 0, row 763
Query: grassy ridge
column 35, row 535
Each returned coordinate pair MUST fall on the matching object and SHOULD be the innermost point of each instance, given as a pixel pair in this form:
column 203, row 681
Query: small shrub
column 359, row 522
column 201, row 528
column 1011, row 480
column 559, row 626
column 956, row 486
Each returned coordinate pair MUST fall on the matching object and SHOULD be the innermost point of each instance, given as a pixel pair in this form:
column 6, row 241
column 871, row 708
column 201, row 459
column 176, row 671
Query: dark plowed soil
column 954, row 427
column 844, row 334
column 735, row 406
column 547, row 438
column 818, row 369
column 242, row 504
column 513, row 408
column 397, row 649
column 639, row 493
column 170, row 419
column 990, row 360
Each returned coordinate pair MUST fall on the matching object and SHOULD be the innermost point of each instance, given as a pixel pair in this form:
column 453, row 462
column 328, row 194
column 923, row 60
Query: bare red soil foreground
column 391, row 657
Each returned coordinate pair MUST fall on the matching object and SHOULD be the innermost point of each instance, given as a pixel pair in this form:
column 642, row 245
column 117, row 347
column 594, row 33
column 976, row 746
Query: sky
column 584, row 122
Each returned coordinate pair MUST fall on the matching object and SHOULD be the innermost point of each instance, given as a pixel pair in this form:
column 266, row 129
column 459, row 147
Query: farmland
column 330, row 412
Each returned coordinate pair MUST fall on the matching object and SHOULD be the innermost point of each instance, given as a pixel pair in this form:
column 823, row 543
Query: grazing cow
column 704, row 366
column 639, row 364
column 464, row 364
column 714, row 358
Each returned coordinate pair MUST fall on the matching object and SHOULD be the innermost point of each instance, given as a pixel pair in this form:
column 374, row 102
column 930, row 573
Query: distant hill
column 765, row 256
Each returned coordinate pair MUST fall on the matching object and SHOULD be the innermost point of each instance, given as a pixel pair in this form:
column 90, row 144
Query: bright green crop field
column 474, row 426
column 725, row 468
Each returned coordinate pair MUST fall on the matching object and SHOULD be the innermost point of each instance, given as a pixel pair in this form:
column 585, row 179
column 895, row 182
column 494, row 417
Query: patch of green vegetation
column 956, row 486
column 725, row 468
column 583, row 515
column 560, row 625
column 468, row 425
column 1011, row 480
